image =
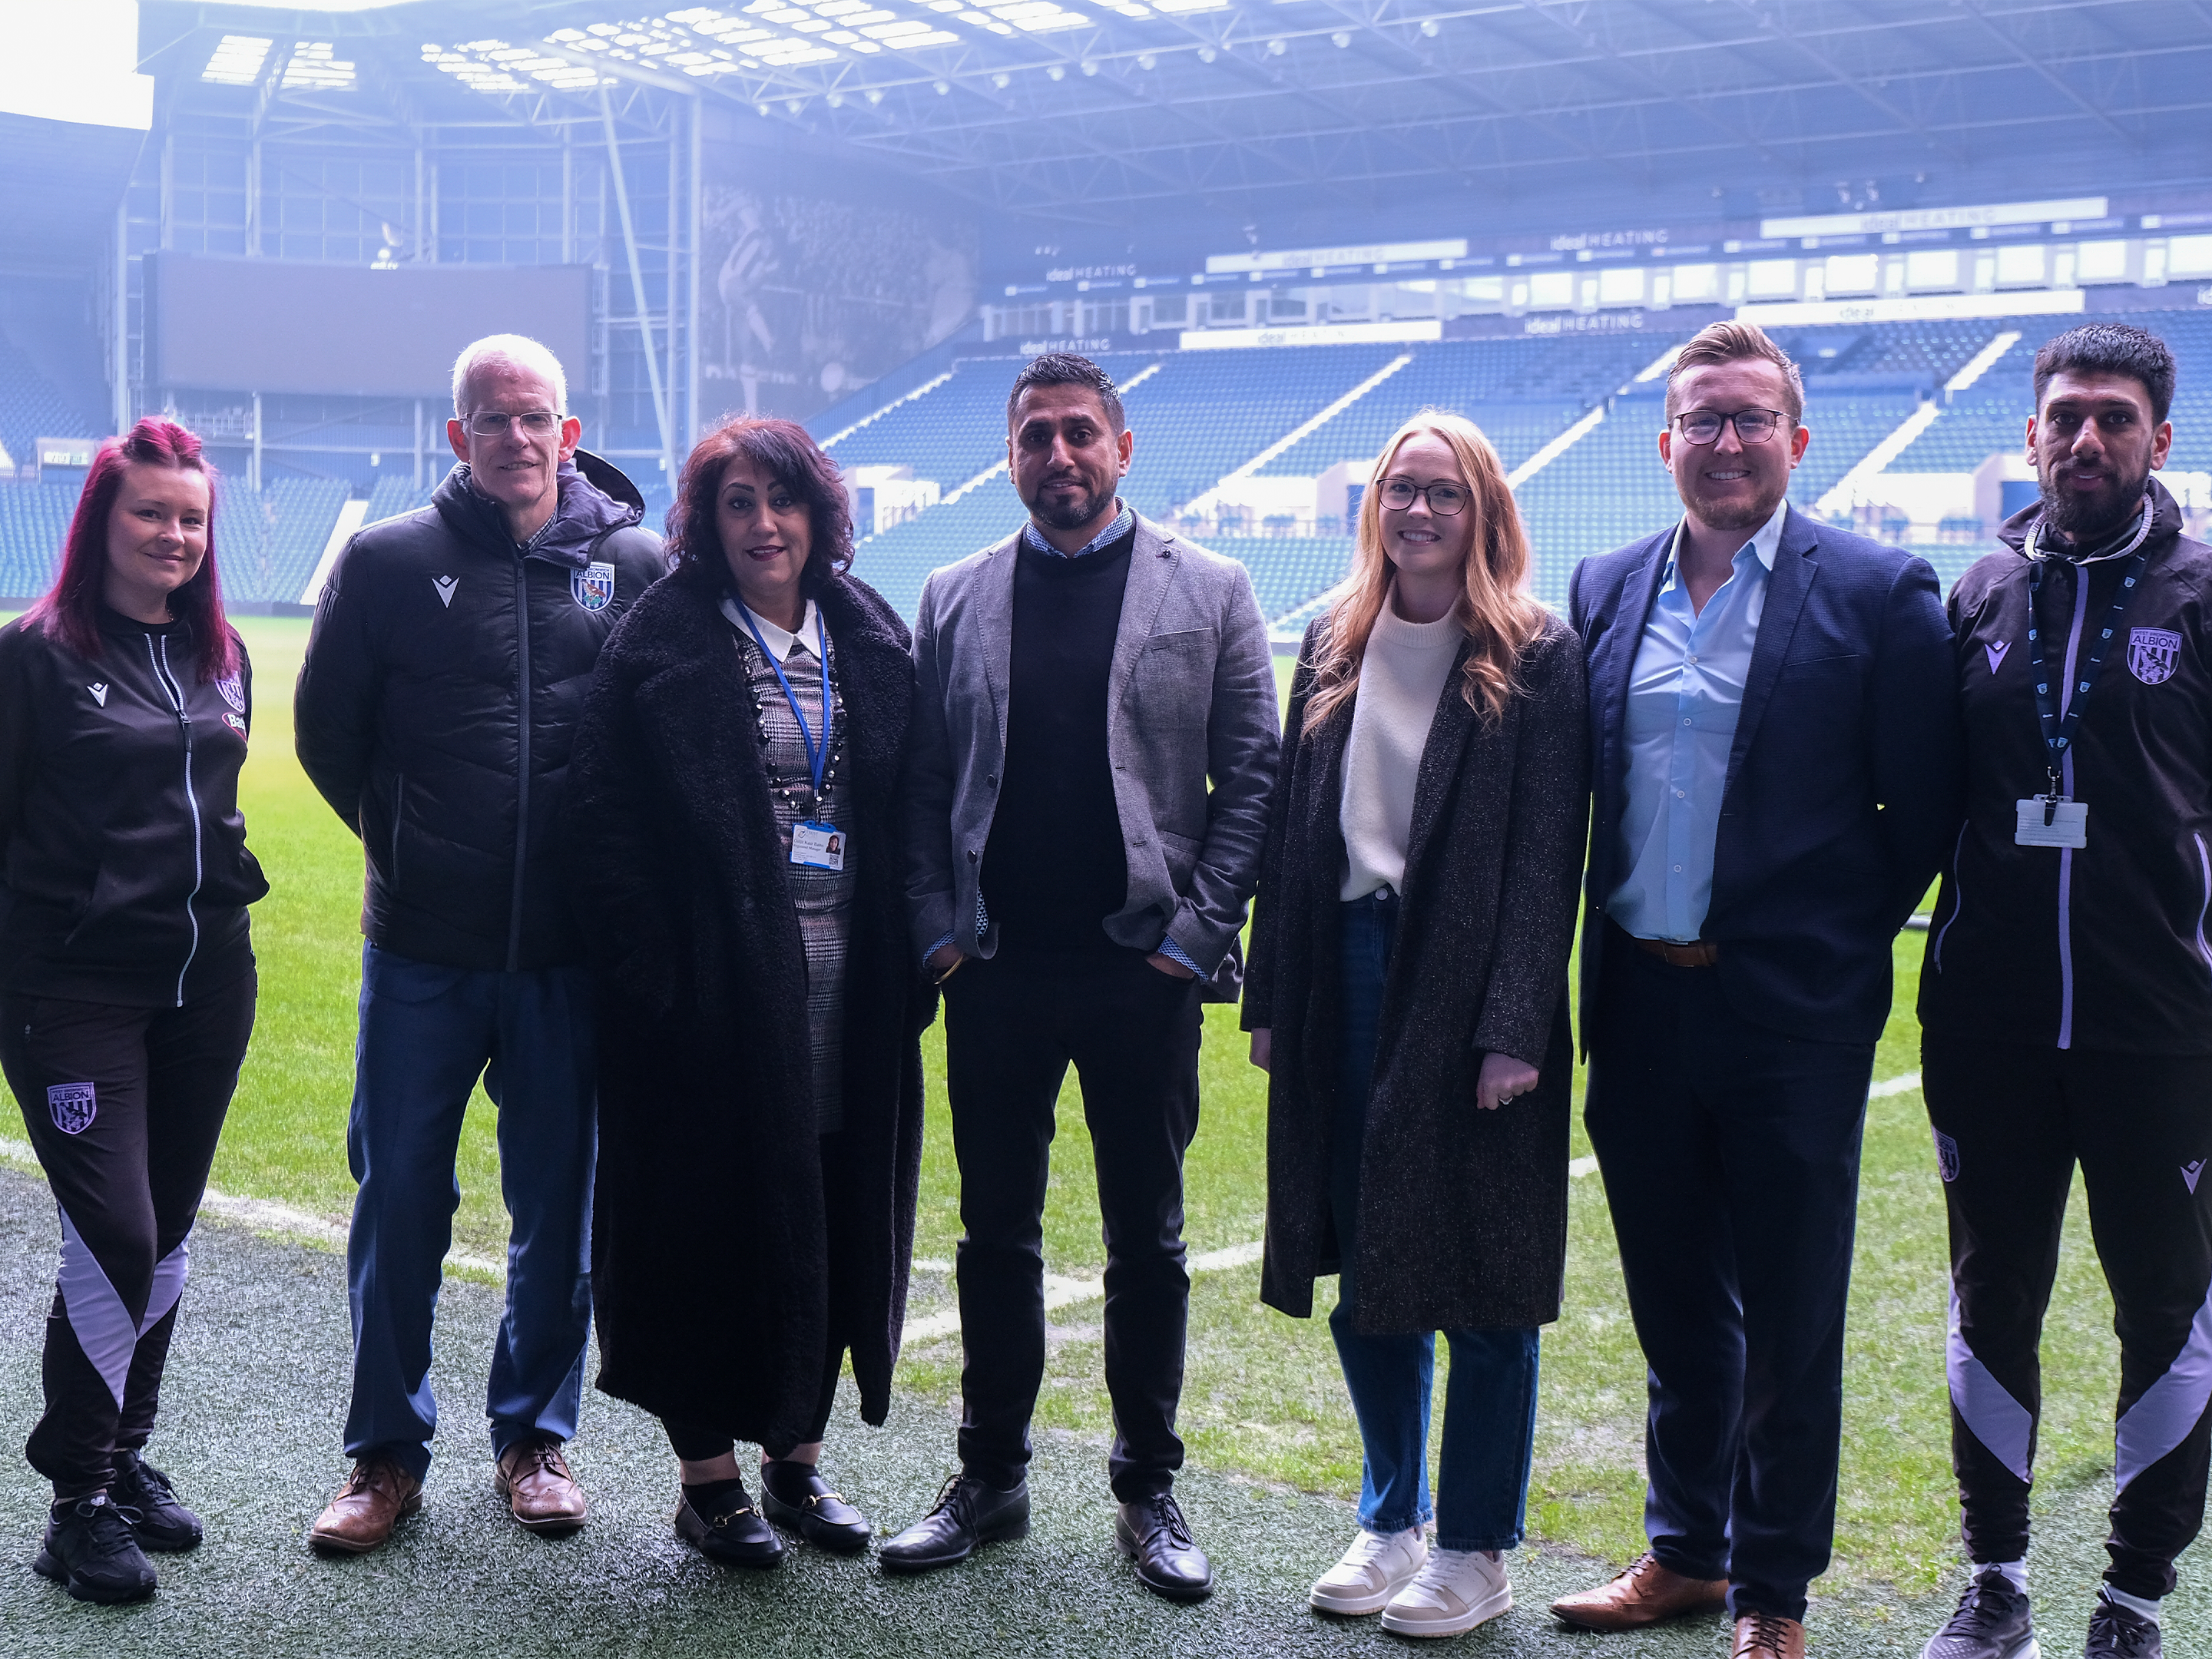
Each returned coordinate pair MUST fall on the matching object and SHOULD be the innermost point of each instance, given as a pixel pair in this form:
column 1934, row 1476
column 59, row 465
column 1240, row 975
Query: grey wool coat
column 1463, row 1212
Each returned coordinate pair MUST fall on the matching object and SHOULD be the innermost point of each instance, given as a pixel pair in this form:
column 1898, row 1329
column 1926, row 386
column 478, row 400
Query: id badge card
column 817, row 846
column 2069, row 825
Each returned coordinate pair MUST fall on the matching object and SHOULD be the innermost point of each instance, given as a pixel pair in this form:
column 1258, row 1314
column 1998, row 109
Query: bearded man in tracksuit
column 444, row 678
column 2067, row 995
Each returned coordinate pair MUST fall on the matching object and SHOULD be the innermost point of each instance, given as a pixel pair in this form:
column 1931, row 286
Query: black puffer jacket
column 445, row 675
column 123, row 872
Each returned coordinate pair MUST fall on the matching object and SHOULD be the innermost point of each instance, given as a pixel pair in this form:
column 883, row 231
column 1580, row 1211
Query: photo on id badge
column 817, row 846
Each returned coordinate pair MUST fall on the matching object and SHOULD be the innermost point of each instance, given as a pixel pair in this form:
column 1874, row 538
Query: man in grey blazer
column 1092, row 751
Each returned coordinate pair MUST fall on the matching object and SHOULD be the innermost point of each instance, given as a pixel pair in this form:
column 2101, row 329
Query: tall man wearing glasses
column 1776, row 765
column 444, row 675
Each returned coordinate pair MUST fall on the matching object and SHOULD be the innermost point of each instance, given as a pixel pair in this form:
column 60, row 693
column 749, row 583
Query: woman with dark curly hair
column 732, row 802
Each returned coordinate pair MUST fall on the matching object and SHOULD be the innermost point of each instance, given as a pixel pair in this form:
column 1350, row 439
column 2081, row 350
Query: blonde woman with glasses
column 1409, row 950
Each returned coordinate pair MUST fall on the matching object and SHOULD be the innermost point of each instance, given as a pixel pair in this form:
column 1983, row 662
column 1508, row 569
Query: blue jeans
column 427, row 1032
column 1490, row 1396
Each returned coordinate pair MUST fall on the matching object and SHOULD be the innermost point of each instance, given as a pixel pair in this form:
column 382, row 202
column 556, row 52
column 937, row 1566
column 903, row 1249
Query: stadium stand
column 30, row 408
column 1605, row 491
column 1521, row 392
column 270, row 546
column 34, row 517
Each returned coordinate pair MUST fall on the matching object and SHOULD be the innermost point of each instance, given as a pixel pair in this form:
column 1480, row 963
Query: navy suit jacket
column 1845, row 783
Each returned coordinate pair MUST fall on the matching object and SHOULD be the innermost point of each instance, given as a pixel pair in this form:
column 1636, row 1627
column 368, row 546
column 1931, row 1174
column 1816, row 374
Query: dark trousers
column 1012, row 1026
column 1731, row 1162
column 1490, row 1393
column 696, row 1443
column 426, row 1033
column 124, row 1107
column 2010, row 1123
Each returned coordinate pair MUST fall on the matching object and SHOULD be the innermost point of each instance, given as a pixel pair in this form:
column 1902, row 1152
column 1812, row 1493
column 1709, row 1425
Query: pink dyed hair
column 70, row 611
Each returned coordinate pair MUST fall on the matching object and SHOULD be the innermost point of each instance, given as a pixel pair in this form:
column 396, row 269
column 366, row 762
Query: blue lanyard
column 817, row 759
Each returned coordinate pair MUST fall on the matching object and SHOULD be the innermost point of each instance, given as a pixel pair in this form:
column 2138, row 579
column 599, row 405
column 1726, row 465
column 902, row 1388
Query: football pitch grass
column 252, row 1413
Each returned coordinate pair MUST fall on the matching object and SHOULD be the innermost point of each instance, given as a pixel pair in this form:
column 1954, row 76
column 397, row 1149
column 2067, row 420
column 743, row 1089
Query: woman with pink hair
column 126, row 968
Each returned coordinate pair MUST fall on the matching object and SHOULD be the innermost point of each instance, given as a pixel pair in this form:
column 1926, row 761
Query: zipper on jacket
column 522, row 779
column 398, row 796
column 168, row 681
column 2066, row 853
column 2204, row 868
column 1957, row 899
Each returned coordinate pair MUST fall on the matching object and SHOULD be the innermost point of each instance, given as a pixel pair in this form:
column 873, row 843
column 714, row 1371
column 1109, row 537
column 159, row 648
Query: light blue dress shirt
column 1684, row 694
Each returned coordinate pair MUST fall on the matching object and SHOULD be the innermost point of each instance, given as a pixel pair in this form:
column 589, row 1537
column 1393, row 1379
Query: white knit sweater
column 1401, row 679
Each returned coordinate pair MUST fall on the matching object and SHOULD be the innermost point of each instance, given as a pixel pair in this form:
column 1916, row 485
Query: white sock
column 2014, row 1571
column 2134, row 1604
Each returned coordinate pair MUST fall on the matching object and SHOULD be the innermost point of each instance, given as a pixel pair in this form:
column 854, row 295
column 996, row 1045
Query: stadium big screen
column 273, row 326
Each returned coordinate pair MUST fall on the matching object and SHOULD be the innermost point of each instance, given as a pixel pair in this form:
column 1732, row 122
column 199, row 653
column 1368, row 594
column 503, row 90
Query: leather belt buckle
column 1703, row 953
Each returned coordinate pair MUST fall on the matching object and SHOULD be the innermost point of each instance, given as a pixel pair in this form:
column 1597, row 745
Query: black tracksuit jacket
column 123, row 871
column 2109, row 947
column 445, row 675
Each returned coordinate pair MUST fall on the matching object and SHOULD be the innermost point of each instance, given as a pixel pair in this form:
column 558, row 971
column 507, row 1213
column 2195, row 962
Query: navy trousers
column 1730, row 1155
column 426, row 1033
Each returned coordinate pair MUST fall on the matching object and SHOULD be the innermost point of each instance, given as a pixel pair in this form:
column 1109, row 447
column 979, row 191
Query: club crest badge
column 232, row 692
column 1947, row 1156
column 74, row 1106
column 593, row 586
column 2153, row 654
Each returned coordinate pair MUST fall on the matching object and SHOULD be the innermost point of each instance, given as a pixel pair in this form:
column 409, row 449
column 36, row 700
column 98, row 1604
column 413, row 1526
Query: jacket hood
column 596, row 500
column 2165, row 521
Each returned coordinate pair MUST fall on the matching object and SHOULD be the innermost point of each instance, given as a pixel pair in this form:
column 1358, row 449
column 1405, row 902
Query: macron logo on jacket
column 446, row 585
column 99, row 690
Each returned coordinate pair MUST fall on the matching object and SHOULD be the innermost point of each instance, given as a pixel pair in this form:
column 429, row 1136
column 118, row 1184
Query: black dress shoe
column 967, row 1512
column 809, row 1508
column 150, row 1503
column 1153, row 1532
column 735, row 1534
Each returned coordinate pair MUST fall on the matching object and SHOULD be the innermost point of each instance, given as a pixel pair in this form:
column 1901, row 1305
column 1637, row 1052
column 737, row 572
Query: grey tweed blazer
column 1191, row 733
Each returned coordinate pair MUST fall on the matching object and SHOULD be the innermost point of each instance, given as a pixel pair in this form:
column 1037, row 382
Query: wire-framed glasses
column 1446, row 501
column 1752, row 426
column 493, row 422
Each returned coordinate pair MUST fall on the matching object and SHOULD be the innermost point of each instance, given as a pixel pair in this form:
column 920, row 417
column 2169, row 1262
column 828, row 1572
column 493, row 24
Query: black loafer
column 1153, row 1532
column 968, row 1513
column 89, row 1551
column 809, row 1508
column 150, row 1503
column 737, row 1536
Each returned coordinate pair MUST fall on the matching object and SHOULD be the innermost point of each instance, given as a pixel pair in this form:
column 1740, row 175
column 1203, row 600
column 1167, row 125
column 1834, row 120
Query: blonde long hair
column 1496, row 607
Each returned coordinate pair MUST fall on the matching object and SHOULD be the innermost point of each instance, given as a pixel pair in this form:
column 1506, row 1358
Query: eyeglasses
column 1752, row 426
column 1446, row 501
column 493, row 422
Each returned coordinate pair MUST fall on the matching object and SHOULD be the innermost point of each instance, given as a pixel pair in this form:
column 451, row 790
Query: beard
column 1071, row 514
column 1749, row 516
column 2090, row 519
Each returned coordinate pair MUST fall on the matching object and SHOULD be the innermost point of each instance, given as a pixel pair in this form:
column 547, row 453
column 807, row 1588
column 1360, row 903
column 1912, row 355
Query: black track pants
column 2010, row 1123
column 124, row 1106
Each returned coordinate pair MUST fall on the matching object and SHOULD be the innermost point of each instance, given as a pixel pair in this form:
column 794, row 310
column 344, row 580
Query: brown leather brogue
column 1647, row 1594
column 375, row 1495
column 533, row 1478
column 1768, row 1636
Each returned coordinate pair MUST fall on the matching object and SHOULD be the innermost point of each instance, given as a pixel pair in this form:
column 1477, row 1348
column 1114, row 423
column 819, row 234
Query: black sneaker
column 90, row 1550
column 1992, row 1622
column 2118, row 1632
column 150, row 1503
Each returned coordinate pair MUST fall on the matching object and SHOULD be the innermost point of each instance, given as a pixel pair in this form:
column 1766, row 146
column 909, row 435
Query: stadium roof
column 1110, row 110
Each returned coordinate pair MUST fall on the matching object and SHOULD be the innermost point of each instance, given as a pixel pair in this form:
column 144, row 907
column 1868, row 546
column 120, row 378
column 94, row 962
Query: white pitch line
column 267, row 1215
column 1060, row 1292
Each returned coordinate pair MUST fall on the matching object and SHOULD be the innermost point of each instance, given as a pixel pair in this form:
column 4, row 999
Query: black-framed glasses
column 493, row 422
column 1752, row 426
column 1446, row 501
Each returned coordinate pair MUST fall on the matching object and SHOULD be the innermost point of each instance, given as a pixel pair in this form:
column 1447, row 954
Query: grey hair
column 519, row 350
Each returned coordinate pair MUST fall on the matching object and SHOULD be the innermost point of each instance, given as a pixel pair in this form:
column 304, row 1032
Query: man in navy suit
column 1777, row 768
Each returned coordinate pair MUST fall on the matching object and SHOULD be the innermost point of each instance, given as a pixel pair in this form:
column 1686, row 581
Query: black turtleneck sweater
column 1054, row 867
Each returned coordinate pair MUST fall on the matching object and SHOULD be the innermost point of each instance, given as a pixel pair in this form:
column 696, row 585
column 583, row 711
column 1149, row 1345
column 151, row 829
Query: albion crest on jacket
column 2152, row 654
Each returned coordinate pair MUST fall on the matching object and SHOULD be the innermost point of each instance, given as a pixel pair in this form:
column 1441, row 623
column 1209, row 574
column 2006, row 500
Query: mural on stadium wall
column 805, row 300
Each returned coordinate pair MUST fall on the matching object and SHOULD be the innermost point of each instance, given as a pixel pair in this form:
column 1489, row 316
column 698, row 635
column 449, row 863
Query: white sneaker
column 1375, row 1568
column 1455, row 1591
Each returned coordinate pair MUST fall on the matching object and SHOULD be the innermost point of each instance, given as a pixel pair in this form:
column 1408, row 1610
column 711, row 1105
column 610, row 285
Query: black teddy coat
column 1463, row 1212
column 715, row 1279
